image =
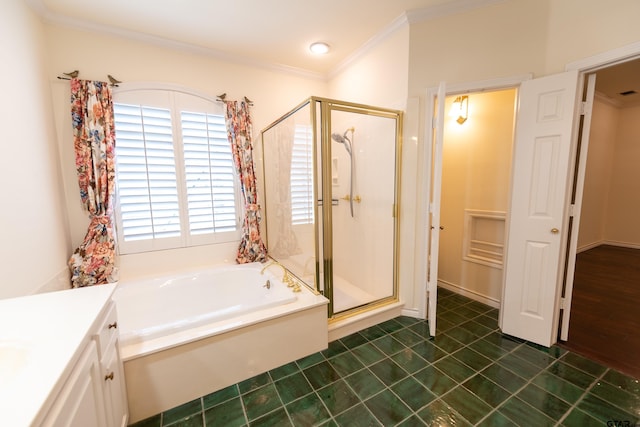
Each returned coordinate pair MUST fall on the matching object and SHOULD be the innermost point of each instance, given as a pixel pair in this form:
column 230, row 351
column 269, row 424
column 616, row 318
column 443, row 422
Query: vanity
column 59, row 360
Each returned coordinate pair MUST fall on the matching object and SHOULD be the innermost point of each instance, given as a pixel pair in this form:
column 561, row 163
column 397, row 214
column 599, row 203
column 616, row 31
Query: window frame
column 177, row 99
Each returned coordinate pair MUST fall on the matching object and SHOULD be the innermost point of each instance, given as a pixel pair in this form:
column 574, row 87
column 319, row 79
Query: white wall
column 622, row 224
column 597, row 181
column 511, row 38
column 95, row 55
column 476, row 167
column 611, row 199
column 379, row 77
column 33, row 252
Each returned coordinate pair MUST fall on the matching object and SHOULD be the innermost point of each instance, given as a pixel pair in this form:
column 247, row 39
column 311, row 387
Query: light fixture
column 319, row 48
column 460, row 109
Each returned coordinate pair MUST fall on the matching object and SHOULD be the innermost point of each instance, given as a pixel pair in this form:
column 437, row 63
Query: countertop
column 41, row 338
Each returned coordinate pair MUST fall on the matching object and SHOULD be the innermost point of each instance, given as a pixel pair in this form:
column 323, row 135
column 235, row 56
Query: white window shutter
column 209, row 173
column 146, row 173
column 302, row 176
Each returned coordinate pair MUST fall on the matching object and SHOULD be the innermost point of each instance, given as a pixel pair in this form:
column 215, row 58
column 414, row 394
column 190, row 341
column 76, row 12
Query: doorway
column 606, row 289
column 476, row 170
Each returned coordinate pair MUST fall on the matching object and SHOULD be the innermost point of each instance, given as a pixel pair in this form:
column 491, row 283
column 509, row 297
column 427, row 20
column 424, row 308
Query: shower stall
column 331, row 194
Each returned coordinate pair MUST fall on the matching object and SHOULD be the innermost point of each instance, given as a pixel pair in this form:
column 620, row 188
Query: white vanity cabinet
column 59, row 360
column 94, row 393
column 114, row 390
column 81, row 401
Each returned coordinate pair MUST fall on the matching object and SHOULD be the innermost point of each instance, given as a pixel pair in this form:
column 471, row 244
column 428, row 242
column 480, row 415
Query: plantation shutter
column 146, row 173
column 209, row 173
column 175, row 177
column 302, row 176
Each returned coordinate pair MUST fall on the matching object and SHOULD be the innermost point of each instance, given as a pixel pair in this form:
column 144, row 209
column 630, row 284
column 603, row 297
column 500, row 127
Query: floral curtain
column 93, row 262
column 239, row 129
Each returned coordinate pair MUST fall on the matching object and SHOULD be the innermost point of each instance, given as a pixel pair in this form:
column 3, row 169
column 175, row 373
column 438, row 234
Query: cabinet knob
column 108, row 377
column 113, row 325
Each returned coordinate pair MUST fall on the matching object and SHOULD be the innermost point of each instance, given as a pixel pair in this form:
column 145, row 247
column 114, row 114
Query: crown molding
column 398, row 23
column 406, row 18
column 606, row 100
column 63, row 21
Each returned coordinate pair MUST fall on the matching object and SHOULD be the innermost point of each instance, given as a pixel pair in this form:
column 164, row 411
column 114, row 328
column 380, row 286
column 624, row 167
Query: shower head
column 342, row 139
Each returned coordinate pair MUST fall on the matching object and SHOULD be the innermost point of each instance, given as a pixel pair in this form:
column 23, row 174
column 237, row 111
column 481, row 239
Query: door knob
column 554, row 231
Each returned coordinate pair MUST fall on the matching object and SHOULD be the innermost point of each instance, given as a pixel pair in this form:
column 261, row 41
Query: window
column 176, row 182
column 302, row 176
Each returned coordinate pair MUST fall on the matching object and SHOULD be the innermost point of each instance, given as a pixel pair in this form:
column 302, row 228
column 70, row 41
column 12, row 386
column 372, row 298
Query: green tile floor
column 393, row 374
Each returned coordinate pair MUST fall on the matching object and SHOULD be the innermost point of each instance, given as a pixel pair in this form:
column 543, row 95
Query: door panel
column 537, row 211
column 437, row 137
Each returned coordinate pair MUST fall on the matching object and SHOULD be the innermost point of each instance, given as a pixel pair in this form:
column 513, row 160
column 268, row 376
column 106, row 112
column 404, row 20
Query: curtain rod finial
column 221, row 97
column 72, row 74
column 113, row 80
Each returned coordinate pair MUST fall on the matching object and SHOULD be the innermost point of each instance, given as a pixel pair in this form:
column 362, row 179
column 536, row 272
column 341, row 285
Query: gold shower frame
column 324, row 106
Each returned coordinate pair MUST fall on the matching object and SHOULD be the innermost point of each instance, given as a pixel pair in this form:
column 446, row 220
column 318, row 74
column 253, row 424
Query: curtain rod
column 72, row 75
column 223, row 98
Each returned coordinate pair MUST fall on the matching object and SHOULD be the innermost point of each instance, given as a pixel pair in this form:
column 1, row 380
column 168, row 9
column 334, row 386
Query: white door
column 434, row 208
column 576, row 211
column 537, row 214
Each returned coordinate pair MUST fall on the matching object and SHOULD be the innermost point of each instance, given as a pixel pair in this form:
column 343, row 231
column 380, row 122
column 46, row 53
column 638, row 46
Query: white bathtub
column 184, row 336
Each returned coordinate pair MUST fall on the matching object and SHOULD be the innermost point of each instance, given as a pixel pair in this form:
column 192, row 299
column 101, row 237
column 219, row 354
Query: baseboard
column 608, row 243
column 476, row 296
column 411, row 312
column 622, row 244
column 589, row 246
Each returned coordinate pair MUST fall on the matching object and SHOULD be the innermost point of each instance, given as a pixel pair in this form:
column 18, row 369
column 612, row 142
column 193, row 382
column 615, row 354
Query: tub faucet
column 285, row 274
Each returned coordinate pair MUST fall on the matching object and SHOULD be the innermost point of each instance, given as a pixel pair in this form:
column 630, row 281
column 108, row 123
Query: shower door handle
column 334, row 202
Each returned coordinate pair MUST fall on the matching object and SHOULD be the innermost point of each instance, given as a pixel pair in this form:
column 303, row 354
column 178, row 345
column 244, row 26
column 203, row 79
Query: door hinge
column 572, row 209
column 583, row 108
column 562, row 303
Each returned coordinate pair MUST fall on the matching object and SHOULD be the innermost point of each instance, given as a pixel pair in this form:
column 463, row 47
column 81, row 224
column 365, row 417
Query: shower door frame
column 320, row 119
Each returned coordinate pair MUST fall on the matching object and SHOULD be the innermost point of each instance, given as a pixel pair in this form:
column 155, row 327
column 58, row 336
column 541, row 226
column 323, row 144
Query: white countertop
column 41, row 337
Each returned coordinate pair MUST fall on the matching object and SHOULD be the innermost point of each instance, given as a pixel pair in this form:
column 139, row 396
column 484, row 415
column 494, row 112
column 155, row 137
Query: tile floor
column 392, row 374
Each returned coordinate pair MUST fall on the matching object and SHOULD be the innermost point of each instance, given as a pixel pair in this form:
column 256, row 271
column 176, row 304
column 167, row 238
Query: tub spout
column 285, row 274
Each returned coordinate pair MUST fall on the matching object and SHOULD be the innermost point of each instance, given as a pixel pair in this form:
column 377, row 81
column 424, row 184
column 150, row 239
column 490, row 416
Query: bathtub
column 188, row 335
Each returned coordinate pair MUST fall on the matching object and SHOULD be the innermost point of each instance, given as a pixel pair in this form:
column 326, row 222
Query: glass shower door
column 290, row 210
column 363, row 173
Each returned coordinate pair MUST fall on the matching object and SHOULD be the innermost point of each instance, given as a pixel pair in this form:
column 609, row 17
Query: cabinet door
column 81, row 402
column 114, row 387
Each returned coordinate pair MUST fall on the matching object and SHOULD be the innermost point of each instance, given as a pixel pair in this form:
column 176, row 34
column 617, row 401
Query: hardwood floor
column 605, row 308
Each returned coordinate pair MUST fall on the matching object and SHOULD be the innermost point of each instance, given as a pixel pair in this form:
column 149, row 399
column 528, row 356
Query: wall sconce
column 460, row 109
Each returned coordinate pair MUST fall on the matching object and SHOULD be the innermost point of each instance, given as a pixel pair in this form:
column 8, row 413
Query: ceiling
column 277, row 33
column 273, row 32
column 614, row 81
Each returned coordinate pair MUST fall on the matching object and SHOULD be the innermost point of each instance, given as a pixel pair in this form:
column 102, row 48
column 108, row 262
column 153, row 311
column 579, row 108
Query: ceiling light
column 319, row 48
